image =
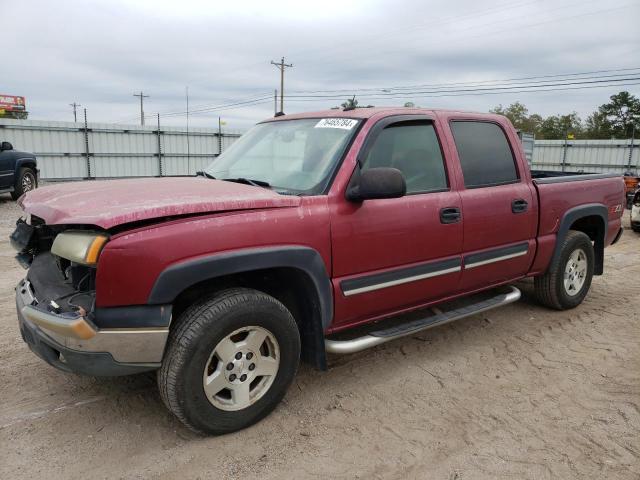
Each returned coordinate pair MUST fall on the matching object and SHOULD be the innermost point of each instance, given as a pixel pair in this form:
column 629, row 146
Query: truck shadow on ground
column 431, row 349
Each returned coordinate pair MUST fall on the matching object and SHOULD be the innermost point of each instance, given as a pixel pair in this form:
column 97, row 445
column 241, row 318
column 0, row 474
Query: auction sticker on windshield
column 344, row 123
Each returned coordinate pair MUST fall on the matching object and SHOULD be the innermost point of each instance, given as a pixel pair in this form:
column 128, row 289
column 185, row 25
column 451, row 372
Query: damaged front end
column 56, row 304
column 61, row 269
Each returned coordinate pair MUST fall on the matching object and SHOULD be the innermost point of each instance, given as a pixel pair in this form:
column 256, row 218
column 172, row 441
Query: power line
column 482, row 82
column 142, row 97
column 471, row 89
column 452, row 94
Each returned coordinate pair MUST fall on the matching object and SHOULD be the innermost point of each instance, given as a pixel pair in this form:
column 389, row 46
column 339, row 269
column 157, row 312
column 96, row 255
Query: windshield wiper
column 248, row 181
column 200, row 173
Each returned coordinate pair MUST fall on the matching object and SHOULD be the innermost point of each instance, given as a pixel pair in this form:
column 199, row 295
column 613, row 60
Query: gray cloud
column 99, row 52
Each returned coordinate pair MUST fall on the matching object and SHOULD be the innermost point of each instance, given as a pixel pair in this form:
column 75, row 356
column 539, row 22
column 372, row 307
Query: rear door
column 498, row 205
column 390, row 254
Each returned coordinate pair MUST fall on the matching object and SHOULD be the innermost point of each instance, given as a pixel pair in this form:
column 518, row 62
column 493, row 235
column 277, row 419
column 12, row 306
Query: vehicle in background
column 635, row 211
column 18, row 171
column 631, row 183
column 321, row 232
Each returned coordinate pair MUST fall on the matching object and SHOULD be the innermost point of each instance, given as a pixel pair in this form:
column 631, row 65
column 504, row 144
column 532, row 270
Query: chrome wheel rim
column 575, row 272
column 28, row 182
column 241, row 368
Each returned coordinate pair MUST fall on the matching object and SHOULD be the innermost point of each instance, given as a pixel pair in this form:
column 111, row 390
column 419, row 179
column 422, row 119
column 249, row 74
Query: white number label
column 344, row 123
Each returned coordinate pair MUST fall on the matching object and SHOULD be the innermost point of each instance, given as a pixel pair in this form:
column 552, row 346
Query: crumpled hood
column 116, row 202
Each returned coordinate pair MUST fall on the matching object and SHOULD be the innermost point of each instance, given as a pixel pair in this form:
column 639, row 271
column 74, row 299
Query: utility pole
column 75, row 106
column 186, row 94
column 281, row 66
column 275, row 102
column 142, row 97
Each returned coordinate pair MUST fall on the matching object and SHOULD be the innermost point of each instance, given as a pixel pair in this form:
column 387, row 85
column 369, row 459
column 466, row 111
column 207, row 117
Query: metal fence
column 590, row 156
column 67, row 150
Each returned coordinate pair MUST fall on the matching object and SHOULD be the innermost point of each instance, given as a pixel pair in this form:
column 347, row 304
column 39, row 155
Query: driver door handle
column 519, row 206
column 450, row 215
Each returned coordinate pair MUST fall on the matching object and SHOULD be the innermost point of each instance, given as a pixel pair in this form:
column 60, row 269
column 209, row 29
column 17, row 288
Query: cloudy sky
column 98, row 53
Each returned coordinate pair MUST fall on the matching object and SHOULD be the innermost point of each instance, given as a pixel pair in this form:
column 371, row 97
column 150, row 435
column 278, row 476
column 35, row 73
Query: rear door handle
column 450, row 215
column 519, row 205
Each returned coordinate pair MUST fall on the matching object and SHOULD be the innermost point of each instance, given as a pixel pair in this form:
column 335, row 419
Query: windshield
column 292, row 156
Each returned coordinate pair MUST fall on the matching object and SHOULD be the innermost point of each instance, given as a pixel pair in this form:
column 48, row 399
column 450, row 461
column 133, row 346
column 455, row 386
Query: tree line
column 619, row 118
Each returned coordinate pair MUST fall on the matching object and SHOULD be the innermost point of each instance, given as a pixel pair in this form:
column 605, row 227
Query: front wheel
column 229, row 361
column 568, row 279
column 25, row 182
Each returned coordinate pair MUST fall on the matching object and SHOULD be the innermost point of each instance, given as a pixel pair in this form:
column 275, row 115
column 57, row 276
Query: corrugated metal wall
column 591, row 156
column 66, row 151
column 132, row 150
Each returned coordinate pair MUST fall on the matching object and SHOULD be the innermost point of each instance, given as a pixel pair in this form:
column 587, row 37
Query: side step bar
column 439, row 316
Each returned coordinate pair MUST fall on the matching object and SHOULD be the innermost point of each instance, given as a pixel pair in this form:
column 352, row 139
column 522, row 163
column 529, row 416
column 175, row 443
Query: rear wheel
column 568, row 279
column 229, row 361
column 25, row 182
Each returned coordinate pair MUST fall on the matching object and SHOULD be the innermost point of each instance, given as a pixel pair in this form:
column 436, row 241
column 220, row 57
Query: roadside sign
column 12, row 103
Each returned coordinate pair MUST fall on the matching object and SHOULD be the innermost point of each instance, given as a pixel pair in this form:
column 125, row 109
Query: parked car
column 635, row 211
column 388, row 220
column 18, row 171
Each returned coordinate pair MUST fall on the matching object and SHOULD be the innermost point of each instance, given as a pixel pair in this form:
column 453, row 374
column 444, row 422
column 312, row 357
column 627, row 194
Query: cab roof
column 366, row 112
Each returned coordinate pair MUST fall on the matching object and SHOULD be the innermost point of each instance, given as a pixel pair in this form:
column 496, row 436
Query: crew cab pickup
column 18, row 171
column 389, row 220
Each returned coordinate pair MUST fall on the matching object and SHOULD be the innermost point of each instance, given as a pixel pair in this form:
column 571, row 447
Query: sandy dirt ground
column 520, row 393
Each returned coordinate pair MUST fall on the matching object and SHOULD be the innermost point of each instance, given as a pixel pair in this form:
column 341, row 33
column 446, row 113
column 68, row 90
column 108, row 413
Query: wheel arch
column 295, row 275
column 27, row 162
column 590, row 219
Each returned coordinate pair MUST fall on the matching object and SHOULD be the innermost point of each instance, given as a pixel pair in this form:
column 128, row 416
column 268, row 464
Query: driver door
column 6, row 168
column 394, row 254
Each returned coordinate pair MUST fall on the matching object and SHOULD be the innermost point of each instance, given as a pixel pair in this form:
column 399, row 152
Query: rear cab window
column 485, row 155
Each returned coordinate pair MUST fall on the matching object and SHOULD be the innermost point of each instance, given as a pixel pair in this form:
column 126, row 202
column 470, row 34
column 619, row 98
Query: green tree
column 621, row 114
column 556, row 127
column 519, row 116
column 598, row 127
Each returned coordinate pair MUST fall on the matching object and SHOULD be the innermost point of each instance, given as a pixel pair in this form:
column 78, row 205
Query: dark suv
column 18, row 171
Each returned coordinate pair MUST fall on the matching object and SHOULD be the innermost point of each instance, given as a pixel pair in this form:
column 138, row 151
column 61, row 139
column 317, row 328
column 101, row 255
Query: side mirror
column 5, row 146
column 381, row 182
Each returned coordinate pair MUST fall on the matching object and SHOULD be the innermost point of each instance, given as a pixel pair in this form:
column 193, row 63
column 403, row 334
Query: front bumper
column 88, row 350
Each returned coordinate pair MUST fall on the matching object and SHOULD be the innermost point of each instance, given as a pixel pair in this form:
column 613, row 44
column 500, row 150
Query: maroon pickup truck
column 388, row 220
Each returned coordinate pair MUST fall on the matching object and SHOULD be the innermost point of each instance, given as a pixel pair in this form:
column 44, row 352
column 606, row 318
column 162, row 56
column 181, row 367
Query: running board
column 439, row 316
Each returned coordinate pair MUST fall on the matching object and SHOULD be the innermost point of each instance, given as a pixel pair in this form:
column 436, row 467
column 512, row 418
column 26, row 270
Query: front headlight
column 79, row 247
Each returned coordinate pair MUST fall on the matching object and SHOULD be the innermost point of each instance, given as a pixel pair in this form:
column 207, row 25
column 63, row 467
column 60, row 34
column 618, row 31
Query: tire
column 205, row 337
column 552, row 290
column 25, row 182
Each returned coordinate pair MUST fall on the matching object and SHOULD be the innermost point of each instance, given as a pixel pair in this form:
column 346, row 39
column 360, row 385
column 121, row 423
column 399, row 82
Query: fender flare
column 180, row 276
column 26, row 160
column 574, row 214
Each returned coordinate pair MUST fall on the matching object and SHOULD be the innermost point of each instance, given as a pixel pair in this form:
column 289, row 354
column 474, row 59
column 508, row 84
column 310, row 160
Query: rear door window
column 485, row 155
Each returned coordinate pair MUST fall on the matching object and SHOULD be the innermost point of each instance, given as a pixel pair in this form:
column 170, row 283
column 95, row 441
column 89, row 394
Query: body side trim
column 495, row 255
column 399, row 276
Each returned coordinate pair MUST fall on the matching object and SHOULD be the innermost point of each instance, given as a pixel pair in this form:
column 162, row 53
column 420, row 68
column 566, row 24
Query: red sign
column 12, row 103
